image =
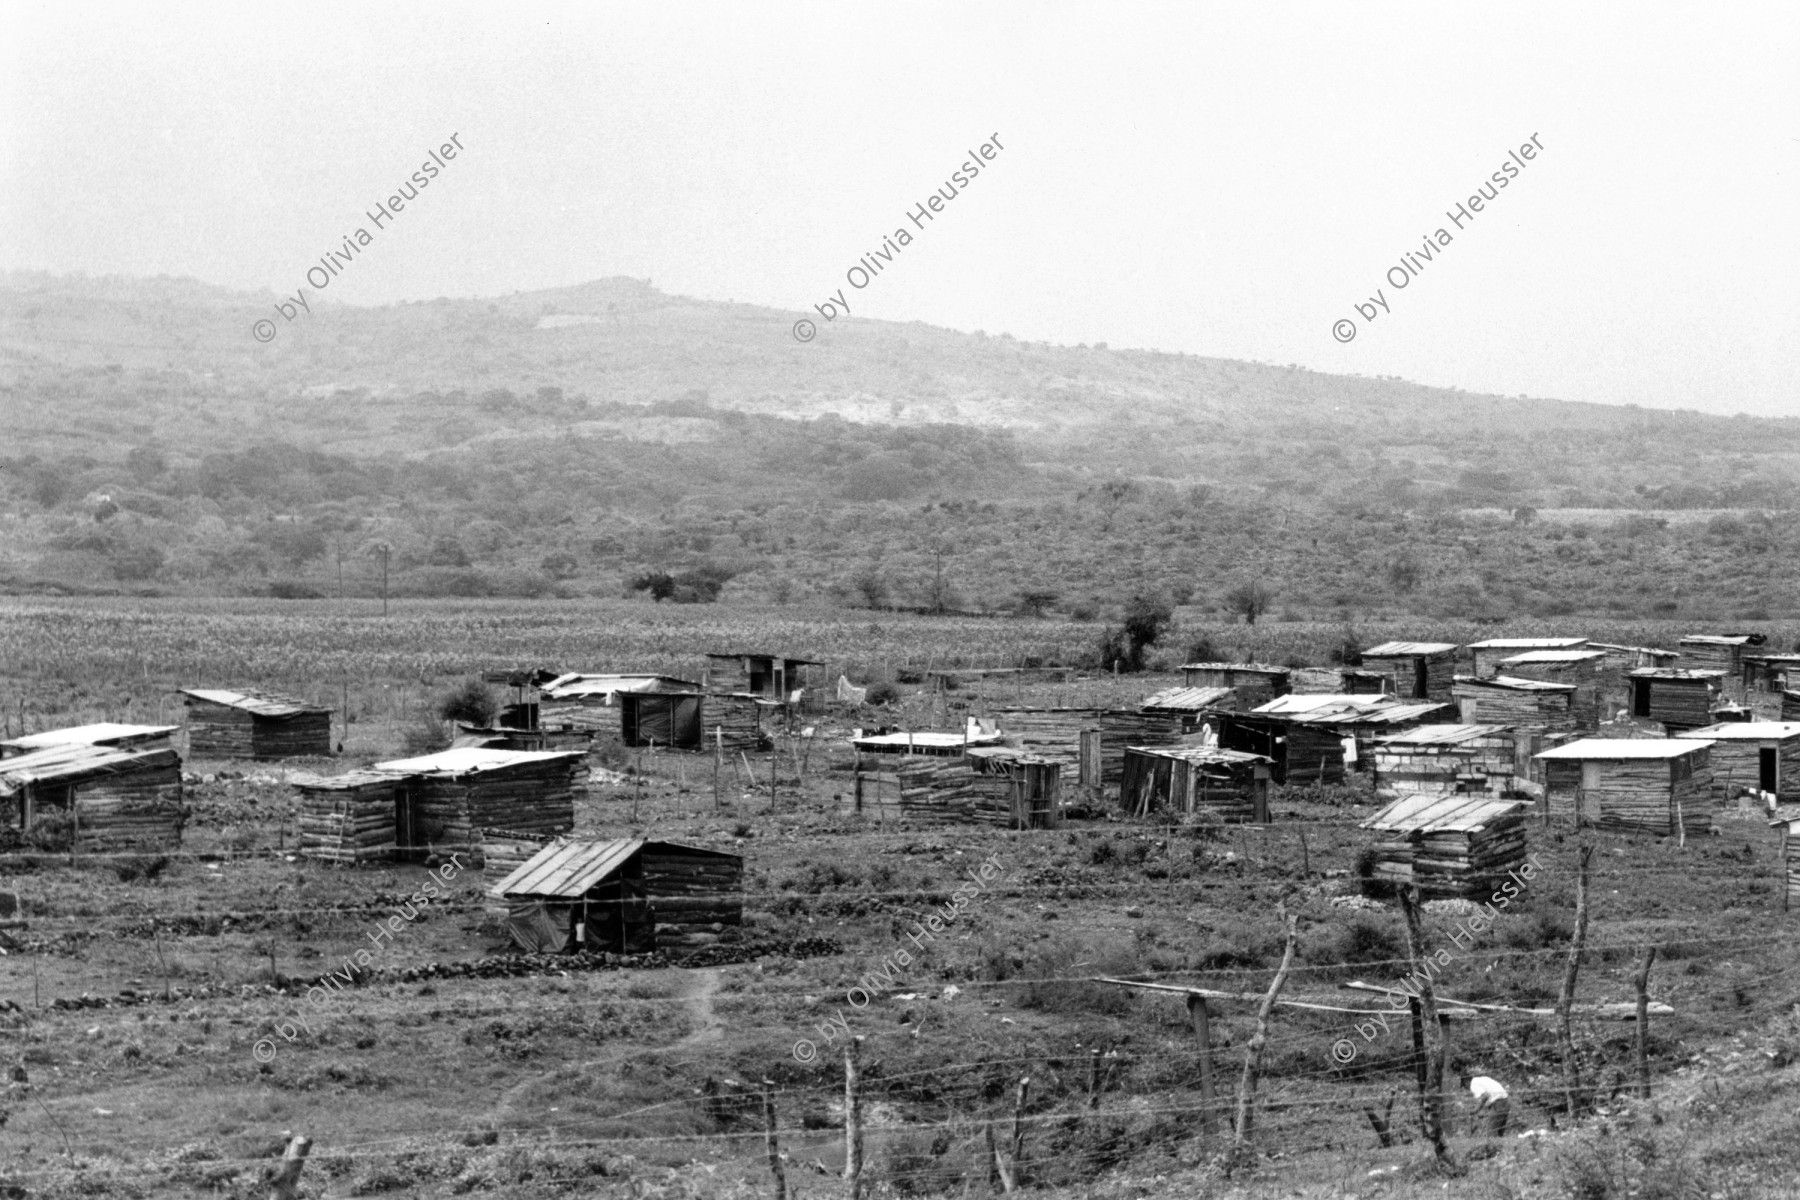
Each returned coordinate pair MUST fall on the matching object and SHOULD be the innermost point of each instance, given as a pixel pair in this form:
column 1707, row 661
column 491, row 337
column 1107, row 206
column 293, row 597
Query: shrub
column 471, row 703
column 882, row 693
column 424, row 736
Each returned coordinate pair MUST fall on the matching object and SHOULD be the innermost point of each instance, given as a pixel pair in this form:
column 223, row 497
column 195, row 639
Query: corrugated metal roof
column 1772, row 658
column 1673, row 673
column 339, row 783
column 786, row 658
column 1652, row 650
column 1553, row 656
column 101, row 733
column 1718, row 639
column 1203, row 755
column 1408, row 649
column 1440, row 735
column 1513, row 684
column 1440, row 814
column 1332, row 709
column 263, row 704
column 569, row 870
column 1553, row 643
column 1310, row 701
column 1188, row 699
column 1626, row 748
column 575, row 685
column 472, row 760
column 1746, row 731
column 73, row 761
column 935, row 739
column 1255, row 668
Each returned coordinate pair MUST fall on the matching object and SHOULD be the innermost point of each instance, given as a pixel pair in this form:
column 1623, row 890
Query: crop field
column 457, row 1068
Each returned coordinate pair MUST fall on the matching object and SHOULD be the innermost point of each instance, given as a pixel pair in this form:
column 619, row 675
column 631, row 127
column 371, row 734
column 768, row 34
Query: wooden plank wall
column 219, row 730
column 347, row 825
column 930, row 791
column 695, row 897
column 1635, row 795
column 1738, row 764
column 1680, row 703
column 1481, row 765
column 133, row 809
column 1452, row 864
column 735, row 719
column 1543, row 712
column 1585, row 677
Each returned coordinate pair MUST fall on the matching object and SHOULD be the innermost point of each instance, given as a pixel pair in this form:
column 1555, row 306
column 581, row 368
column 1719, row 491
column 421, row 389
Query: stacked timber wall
column 348, row 821
column 694, row 896
column 219, row 730
column 1539, row 711
column 1452, row 864
column 1634, row 795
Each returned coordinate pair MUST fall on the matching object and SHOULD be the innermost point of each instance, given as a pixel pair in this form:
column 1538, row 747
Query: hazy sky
column 1220, row 179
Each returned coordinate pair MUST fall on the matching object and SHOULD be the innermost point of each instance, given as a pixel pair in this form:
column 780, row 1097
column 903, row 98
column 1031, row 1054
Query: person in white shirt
column 1490, row 1101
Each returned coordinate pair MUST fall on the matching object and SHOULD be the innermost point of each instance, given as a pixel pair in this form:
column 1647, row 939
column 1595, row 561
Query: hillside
column 568, row 441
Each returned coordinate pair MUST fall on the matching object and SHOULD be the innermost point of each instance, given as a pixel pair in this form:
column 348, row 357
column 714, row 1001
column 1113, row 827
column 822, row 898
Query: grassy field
column 634, row 1082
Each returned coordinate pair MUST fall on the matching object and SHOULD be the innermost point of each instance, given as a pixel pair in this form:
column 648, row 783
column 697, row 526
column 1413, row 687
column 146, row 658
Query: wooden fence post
column 1018, row 1135
column 286, row 1183
column 1565, row 999
column 1246, row 1101
column 1094, row 1078
column 1431, row 1093
column 1203, row 1035
column 853, row 1139
column 775, row 1167
column 1642, row 981
column 998, row 1173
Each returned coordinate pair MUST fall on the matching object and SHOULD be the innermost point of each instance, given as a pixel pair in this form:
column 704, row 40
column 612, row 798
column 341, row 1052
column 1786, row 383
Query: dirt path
column 697, row 992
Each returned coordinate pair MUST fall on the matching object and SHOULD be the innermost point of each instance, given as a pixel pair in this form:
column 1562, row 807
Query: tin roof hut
column 586, row 701
column 1190, row 704
column 626, row 895
column 1676, row 698
column 693, row 720
column 765, row 676
column 445, row 800
column 1721, row 652
column 1255, row 683
column 82, row 797
column 1232, row 785
column 348, row 819
column 1764, row 755
column 1617, row 665
column 1444, row 760
column 1420, row 670
column 1003, row 786
column 1487, row 656
column 1582, row 668
column 1095, row 738
column 253, row 724
column 1447, row 845
column 1766, row 677
column 1631, row 785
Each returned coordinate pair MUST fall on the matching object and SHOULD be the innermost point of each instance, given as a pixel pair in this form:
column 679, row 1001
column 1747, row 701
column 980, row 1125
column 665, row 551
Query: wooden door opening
column 1768, row 763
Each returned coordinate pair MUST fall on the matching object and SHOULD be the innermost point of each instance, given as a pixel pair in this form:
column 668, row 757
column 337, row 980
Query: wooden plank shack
column 1254, row 683
column 590, row 702
column 1420, row 670
column 253, row 724
column 1721, row 652
column 1190, row 704
column 999, row 786
column 1582, row 668
column 348, row 819
column 1448, row 845
column 447, row 799
column 1231, row 785
column 1762, row 756
column 1444, row 760
column 1486, row 657
column 1311, row 738
column 1617, row 665
column 765, row 676
column 1525, row 704
column 1095, row 738
column 1631, row 785
column 624, row 896
column 90, row 798
column 1678, row 699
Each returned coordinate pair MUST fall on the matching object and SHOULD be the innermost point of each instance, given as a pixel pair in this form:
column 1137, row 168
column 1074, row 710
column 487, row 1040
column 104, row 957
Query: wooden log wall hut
column 1122, row 727
column 1486, row 658
column 624, row 896
column 1528, row 705
column 1643, row 785
column 1231, row 785
column 1311, row 738
column 347, row 819
column 1582, row 668
column 95, row 798
column 256, row 725
column 1723, row 653
column 1254, row 683
column 1419, row 670
column 1763, row 756
column 1449, row 846
column 1675, row 699
column 447, row 799
column 1070, row 735
column 1616, row 665
column 998, row 786
column 578, row 702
